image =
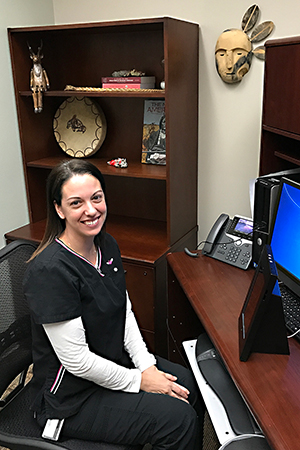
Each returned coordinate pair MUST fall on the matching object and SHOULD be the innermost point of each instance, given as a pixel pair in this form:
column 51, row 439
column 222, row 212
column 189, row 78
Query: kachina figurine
column 39, row 81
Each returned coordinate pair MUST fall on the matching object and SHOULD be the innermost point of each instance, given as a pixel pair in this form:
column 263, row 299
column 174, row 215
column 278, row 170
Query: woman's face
column 83, row 207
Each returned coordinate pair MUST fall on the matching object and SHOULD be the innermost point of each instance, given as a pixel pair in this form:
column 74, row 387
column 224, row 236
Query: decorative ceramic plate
column 79, row 127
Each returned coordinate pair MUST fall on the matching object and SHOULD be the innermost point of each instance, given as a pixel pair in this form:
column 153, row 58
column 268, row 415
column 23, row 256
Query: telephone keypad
column 236, row 255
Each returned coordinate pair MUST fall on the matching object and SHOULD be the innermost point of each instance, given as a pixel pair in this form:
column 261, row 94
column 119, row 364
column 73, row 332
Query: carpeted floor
column 210, row 440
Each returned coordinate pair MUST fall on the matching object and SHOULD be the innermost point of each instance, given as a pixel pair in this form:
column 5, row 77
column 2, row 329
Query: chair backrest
column 15, row 328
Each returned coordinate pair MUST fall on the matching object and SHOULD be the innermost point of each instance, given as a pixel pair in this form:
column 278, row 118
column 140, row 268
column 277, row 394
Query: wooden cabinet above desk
column 280, row 137
column 270, row 384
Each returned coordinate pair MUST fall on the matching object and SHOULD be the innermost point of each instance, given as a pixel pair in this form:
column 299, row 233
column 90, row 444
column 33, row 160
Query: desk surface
column 270, row 384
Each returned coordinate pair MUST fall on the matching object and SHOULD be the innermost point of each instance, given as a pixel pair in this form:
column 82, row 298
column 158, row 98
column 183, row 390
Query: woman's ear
column 59, row 211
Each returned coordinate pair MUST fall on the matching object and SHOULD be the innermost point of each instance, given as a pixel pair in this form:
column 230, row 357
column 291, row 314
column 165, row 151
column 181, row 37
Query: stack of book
column 128, row 82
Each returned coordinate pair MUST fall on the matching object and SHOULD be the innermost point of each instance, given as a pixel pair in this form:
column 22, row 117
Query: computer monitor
column 285, row 234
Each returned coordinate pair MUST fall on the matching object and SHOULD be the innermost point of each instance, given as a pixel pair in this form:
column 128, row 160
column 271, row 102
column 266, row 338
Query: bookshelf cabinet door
column 140, row 286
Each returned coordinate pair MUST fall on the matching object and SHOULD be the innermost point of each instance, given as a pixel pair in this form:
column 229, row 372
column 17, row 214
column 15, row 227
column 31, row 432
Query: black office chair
column 18, row 429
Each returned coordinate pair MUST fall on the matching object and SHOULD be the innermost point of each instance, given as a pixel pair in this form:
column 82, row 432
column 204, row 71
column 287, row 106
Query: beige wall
column 13, row 204
column 230, row 115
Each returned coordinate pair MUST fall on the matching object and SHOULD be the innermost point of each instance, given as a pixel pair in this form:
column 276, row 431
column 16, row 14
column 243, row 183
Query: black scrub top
column 61, row 285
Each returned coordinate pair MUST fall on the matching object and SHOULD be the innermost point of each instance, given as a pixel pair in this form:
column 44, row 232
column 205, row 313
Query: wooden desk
column 270, row 384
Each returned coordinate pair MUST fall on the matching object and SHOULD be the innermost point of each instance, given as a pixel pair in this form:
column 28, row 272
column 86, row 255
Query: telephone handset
column 215, row 230
column 230, row 241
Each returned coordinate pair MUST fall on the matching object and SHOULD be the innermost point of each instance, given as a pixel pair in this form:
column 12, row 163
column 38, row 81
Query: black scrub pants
column 126, row 418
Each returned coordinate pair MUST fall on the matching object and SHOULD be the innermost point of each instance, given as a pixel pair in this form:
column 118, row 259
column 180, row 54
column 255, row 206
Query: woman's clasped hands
column 155, row 381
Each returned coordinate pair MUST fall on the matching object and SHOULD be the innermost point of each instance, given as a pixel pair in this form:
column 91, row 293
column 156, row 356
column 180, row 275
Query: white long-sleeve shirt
column 69, row 343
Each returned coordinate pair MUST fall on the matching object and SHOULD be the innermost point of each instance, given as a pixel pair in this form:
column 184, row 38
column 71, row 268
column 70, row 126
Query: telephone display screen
column 244, row 226
column 241, row 227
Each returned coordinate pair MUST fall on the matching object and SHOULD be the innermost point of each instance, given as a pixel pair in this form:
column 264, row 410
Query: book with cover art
column 154, row 133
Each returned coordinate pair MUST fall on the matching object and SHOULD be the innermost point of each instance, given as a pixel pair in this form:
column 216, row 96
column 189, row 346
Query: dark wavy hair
column 55, row 181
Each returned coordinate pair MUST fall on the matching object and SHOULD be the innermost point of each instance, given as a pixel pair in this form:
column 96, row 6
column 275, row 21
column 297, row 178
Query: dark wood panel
column 37, row 194
column 275, row 149
column 280, row 139
column 182, row 124
column 183, row 323
column 36, row 130
column 140, row 286
column 281, row 92
column 143, row 198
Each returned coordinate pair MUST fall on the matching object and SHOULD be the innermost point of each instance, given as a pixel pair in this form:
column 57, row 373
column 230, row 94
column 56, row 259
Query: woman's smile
column 91, row 223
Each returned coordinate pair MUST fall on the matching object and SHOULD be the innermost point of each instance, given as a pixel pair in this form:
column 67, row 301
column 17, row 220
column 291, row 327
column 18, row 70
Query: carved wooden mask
column 233, row 55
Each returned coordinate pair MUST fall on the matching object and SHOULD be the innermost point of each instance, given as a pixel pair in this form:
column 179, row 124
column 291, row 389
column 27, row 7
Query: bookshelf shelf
column 153, row 93
column 134, row 169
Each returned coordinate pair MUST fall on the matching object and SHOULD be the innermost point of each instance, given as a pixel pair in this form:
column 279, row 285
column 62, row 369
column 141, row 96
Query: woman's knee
column 182, row 430
column 181, row 416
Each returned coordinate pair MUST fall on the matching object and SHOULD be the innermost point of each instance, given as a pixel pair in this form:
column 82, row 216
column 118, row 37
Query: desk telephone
column 230, row 241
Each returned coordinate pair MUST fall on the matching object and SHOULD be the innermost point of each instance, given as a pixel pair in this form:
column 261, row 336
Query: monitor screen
column 285, row 234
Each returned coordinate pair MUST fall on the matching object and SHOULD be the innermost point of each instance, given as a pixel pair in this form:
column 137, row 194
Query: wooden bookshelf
column 152, row 209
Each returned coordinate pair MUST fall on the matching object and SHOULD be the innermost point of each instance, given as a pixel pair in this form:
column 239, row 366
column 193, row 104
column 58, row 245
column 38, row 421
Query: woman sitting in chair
column 92, row 370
